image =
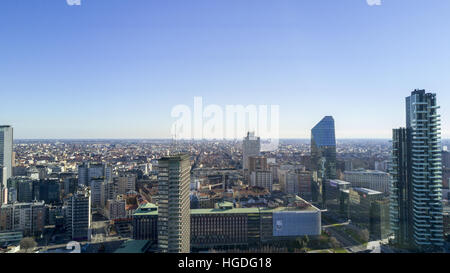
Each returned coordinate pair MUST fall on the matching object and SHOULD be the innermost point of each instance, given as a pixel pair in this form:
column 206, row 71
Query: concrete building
column 125, row 183
column 97, row 187
column 226, row 226
column 115, row 209
column 78, row 215
column 88, row 171
column 374, row 180
column 145, row 223
column 28, row 218
column 174, row 204
column 262, row 179
column 251, row 146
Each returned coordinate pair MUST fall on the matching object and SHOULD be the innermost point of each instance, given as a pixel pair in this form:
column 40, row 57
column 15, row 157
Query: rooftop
column 367, row 191
column 147, row 209
column 134, row 246
column 340, row 182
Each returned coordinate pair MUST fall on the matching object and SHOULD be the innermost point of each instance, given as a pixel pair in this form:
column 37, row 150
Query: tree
column 306, row 240
column 364, row 235
column 334, row 243
column 27, row 244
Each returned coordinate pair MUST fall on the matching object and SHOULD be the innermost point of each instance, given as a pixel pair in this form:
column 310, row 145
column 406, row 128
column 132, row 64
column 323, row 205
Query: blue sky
column 115, row 68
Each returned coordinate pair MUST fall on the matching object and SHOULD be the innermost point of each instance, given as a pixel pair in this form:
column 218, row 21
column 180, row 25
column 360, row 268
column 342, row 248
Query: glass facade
column 323, row 155
column 416, row 209
column 6, row 150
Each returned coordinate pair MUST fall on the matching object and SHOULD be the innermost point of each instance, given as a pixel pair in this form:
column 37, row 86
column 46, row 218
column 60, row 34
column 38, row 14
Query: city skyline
column 123, row 74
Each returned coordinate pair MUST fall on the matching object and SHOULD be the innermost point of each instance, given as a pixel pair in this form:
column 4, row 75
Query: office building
column 337, row 198
column 416, row 191
column 374, row 180
column 78, row 215
column 367, row 213
column 48, row 190
column 115, row 209
column 28, row 218
column 125, row 183
column 145, row 223
column 97, row 187
column 88, row 171
column 257, row 163
column 6, row 150
column 262, row 179
column 174, row 204
column 323, row 157
column 323, row 146
column 226, row 226
column 251, row 146
column 3, row 177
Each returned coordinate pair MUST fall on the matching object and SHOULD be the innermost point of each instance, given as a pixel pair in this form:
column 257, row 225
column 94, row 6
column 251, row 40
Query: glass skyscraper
column 323, row 154
column 416, row 190
column 6, row 150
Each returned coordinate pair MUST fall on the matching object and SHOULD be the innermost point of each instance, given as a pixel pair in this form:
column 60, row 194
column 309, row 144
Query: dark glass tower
column 416, row 190
column 323, row 154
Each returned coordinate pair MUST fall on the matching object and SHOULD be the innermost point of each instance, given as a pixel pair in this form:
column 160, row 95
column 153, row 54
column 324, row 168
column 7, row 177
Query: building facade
column 6, row 150
column 78, row 215
column 416, row 191
column 374, row 180
column 174, row 204
column 251, row 146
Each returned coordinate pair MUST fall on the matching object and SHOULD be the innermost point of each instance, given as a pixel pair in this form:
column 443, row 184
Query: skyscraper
column 6, row 149
column 323, row 154
column 416, row 197
column 174, row 220
column 323, row 145
column 251, row 146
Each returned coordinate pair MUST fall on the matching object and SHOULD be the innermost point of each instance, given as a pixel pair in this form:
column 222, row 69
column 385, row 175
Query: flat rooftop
column 152, row 210
column 367, row 191
column 340, row 182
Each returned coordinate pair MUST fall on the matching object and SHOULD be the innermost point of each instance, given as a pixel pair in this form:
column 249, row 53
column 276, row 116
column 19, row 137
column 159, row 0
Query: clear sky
column 115, row 68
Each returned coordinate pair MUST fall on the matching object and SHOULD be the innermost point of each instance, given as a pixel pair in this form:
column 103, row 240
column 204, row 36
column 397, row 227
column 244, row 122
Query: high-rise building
column 416, row 190
column 323, row 145
column 6, row 150
column 78, row 215
column 251, row 146
column 97, row 187
column 174, row 204
column 323, row 156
